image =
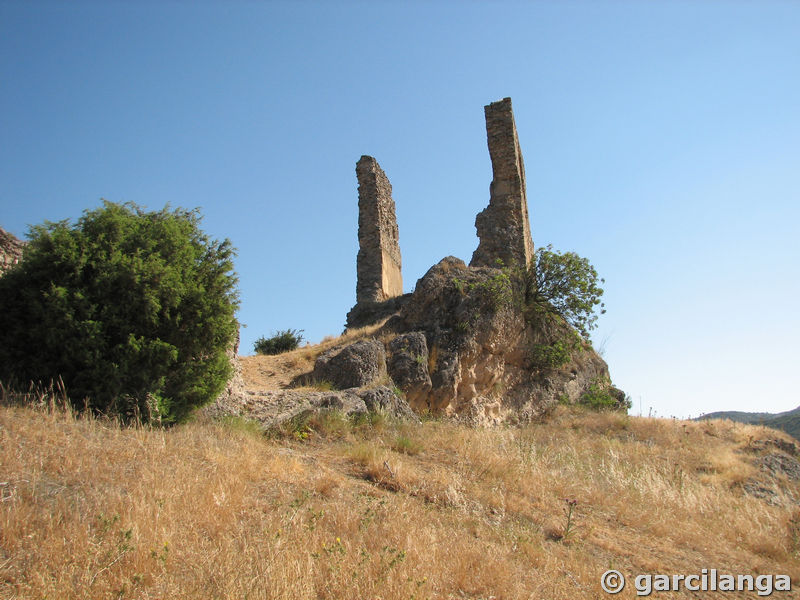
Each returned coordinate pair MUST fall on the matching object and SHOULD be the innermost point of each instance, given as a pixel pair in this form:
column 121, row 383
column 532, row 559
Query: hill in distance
column 788, row 421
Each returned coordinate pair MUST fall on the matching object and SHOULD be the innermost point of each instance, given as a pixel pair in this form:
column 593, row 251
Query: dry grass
column 90, row 509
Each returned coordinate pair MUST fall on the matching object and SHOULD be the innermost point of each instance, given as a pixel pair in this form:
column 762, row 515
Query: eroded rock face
column 355, row 365
column 480, row 342
column 408, row 367
column 10, row 250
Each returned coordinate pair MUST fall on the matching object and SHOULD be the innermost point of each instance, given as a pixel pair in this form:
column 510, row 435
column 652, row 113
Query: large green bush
column 133, row 310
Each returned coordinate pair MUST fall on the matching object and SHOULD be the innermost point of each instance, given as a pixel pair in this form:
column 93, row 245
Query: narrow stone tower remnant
column 378, row 265
column 503, row 227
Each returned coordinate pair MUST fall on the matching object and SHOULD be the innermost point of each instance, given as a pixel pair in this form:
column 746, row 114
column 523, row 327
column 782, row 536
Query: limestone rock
column 273, row 408
column 503, row 226
column 234, row 389
column 354, row 365
column 480, row 340
column 385, row 400
column 10, row 250
column 408, row 367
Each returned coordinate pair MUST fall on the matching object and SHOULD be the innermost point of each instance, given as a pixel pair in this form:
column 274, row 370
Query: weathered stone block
column 355, row 365
column 385, row 400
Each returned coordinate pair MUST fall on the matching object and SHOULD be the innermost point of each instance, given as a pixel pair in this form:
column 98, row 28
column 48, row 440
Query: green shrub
column 551, row 356
column 282, row 341
column 600, row 396
column 133, row 310
column 565, row 285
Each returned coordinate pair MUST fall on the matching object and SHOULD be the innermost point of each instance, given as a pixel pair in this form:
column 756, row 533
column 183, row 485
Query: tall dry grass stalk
column 90, row 509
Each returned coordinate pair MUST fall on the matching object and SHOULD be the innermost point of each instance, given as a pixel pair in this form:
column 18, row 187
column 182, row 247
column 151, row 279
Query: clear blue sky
column 661, row 141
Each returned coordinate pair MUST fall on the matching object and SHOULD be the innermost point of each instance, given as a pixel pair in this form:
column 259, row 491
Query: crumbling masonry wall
column 378, row 265
column 503, row 226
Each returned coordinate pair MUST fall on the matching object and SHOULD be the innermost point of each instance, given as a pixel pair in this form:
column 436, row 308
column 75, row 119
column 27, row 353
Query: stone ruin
column 463, row 344
column 503, row 226
column 10, row 250
column 378, row 264
column 379, row 285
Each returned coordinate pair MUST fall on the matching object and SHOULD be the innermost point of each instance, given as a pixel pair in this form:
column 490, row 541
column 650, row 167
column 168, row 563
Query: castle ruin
column 503, row 226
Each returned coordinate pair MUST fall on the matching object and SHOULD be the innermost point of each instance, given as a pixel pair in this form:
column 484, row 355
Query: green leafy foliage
column 282, row 341
column 555, row 355
column 495, row 292
column 566, row 285
column 601, row 395
column 133, row 310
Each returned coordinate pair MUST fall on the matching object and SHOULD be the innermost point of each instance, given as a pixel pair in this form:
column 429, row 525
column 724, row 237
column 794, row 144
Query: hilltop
column 371, row 507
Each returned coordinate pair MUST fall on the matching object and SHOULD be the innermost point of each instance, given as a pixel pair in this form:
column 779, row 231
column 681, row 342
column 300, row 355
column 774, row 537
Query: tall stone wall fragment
column 503, row 226
column 379, row 265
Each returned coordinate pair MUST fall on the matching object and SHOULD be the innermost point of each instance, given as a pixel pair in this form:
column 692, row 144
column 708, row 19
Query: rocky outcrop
column 10, row 250
column 274, row 408
column 473, row 337
column 355, row 365
column 379, row 265
column 503, row 226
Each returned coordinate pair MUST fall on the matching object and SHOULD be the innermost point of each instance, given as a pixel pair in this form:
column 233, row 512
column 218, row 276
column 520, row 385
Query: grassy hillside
column 334, row 509
column 788, row 421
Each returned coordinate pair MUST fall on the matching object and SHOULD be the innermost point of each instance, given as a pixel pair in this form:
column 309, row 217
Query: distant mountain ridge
column 788, row 421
